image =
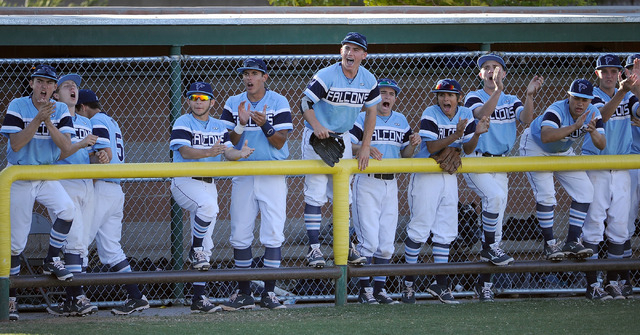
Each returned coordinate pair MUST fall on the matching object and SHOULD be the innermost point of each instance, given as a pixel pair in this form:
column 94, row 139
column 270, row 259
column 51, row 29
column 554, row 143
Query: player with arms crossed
column 106, row 225
column 81, row 192
column 263, row 118
column 552, row 134
column 198, row 137
column 612, row 194
column 331, row 102
column 433, row 197
column 375, row 196
column 493, row 188
column 39, row 129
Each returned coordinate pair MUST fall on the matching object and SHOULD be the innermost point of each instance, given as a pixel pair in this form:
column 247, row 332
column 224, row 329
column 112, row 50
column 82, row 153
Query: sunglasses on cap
column 446, row 87
column 201, row 97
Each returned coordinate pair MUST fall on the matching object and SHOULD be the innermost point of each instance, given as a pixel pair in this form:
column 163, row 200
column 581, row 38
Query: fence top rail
column 99, row 60
column 296, row 16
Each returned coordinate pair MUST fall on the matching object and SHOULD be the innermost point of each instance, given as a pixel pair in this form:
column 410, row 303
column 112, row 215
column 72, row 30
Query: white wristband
column 239, row 129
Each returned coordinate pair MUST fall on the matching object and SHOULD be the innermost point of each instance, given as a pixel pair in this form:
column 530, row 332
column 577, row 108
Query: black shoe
column 203, row 305
column 442, row 293
column 383, row 298
column 271, row 301
column 238, row 301
column 495, row 255
column 366, row 297
column 576, row 250
column 595, row 292
column 408, row 294
column 131, row 305
column 484, row 292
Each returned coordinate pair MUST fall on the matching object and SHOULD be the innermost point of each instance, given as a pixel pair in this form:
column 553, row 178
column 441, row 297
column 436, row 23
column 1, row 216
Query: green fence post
column 175, row 82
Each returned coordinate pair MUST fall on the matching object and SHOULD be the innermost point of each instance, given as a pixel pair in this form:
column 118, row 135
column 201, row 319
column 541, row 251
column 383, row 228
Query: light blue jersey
column 41, row 149
column 83, row 128
column 558, row 116
column 617, row 128
column 188, row 131
column 435, row 125
column 390, row 136
column 278, row 115
column 502, row 132
column 635, row 133
column 338, row 100
column 109, row 136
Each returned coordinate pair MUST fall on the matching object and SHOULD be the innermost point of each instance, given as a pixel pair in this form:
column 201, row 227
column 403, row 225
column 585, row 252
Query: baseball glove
column 449, row 159
column 329, row 149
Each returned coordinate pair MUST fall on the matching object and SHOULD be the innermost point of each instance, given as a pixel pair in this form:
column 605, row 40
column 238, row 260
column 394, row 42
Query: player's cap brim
column 355, row 43
column 603, row 66
column 241, row 69
column 580, row 95
column 73, row 77
column 445, row 91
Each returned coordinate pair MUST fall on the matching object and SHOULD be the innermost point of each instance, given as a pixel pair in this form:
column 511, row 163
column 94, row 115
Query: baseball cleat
column 442, row 293
column 576, row 250
column 626, row 289
column 383, row 298
column 80, row 306
column 315, row 258
column 484, row 292
column 366, row 297
column 130, row 306
column 408, row 293
column 13, row 309
column 203, row 305
column 552, row 251
column 595, row 292
column 613, row 289
column 354, row 256
column 495, row 255
column 238, row 301
column 198, row 259
column 56, row 267
column 271, row 301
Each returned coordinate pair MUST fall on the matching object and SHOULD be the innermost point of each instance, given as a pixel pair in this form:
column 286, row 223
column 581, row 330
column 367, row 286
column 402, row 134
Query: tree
column 534, row 3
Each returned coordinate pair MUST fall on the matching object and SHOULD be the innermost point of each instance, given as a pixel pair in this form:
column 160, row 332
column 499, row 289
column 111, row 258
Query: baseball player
column 81, row 192
column 493, row 188
column 433, row 197
column 632, row 66
column 331, row 102
column 375, row 196
column 198, row 137
column 611, row 199
column 38, row 129
column 106, row 224
column 552, row 134
column 263, row 118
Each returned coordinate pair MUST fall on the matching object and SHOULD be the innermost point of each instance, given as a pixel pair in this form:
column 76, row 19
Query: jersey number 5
column 120, row 147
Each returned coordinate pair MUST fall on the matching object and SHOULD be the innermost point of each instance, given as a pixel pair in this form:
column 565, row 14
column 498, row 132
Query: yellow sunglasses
column 201, row 97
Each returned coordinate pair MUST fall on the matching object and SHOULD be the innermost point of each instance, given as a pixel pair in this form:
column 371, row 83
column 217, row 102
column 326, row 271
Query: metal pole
column 177, row 249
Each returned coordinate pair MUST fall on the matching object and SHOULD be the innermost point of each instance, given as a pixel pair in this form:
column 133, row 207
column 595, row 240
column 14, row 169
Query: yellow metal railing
column 340, row 172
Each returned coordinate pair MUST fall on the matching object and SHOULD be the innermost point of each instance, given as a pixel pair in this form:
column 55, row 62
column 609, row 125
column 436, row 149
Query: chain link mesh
column 137, row 92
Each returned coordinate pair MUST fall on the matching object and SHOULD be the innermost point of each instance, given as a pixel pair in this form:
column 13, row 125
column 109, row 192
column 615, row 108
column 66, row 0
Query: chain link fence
column 144, row 95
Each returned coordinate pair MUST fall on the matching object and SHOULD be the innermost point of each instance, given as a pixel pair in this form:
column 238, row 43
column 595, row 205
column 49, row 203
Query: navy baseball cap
column 448, row 86
column 581, row 88
column 253, row 64
column 492, row 57
column 200, row 87
column 608, row 60
column 71, row 76
column 357, row 39
column 86, row 97
column 630, row 60
column 385, row 82
column 45, row 71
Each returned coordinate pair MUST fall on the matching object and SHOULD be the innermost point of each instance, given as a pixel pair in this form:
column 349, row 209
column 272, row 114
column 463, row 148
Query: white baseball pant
column 199, row 198
column 611, row 203
column 24, row 194
column 81, row 193
column 433, row 200
column 375, row 215
column 266, row 194
column 106, row 226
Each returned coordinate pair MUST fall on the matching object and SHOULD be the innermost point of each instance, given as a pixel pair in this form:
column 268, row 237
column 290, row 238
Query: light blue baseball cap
column 71, row 76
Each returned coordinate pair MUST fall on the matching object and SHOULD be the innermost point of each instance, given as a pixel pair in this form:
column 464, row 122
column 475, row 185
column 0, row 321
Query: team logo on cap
column 608, row 59
column 200, row 86
column 582, row 87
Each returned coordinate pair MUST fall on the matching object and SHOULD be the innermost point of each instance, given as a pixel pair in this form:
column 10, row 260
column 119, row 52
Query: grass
column 527, row 316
